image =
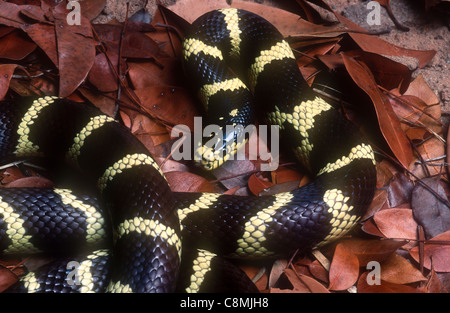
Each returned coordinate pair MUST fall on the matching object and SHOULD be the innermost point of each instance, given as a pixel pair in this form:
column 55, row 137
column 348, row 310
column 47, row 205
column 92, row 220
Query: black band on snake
column 151, row 223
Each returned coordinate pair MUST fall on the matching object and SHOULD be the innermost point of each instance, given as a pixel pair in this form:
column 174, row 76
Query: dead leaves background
column 132, row 70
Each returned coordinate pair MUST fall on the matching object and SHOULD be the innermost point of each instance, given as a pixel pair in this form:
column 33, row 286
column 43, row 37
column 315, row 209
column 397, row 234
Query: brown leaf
column 303, row 283
column 6, row 72
column 367, row 250
column 254, row 273
column 257, row 184
column 396, row 223
column 170, row 104
column 15, row 46
column 172, row 37
column 434, row 285
column 437, row 253
column 430, row 149
column 369, row 227
column 101, row 75
column 143, row 126
column 387, row 73
column 33, row 12
column 76, row 53
column 284, row 174
column 318, row 271
column 7, row 278
column 171, row 165
column 398, row 270
column 383, row 287
column 148, row 74
column 429, row 211
column 10, row 14
column 92, row 8
column 388, row 121
column 420, row 89
column 379, row 46
column 138, row 45
column 379, row 201
column 344, row 268
column 34, row 181
column 188, row 182
column 44, row 36
column 399, row 190
column 385, row 173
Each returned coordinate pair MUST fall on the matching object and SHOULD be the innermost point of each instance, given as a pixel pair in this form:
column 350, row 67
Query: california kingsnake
column 145, row 214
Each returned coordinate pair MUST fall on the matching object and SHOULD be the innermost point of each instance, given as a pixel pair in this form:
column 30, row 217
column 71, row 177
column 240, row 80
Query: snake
column 125, row 230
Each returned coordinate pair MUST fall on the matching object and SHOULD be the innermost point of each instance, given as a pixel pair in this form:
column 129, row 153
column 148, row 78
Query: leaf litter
column 132, row 71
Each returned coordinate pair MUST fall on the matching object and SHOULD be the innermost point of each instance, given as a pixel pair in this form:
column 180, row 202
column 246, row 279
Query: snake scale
column 153, row 228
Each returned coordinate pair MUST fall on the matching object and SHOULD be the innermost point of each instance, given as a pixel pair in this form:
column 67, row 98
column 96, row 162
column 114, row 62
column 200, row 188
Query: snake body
column 148, row 220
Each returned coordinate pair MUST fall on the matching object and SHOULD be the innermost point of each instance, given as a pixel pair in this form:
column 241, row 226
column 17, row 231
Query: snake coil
column 149, row 221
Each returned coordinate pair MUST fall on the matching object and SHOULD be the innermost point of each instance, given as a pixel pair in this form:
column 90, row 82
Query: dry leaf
column 344, row 268
column 437, row 253
column 389, row 123
column 396, row 223
column 383, row 287
column 429, row 211
column 188, row 182
column 367, row 250
column 398, row 270
column 6, row 72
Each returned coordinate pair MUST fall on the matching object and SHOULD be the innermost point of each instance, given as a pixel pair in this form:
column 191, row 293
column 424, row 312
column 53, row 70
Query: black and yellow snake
column 153, row 227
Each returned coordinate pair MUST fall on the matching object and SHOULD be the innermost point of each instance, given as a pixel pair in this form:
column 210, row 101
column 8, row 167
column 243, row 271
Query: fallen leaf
column 396, row 223
column 367, row 250
column 378, row 202
column 379, row 46
column 170, row 104
column 384, row 287
column 304, row 284
column 10, row 14
column 101, row 75
column 318, row 271
column 429, row 211
column 188, row 182
column 92, row 8
column 7, row 278
column 76, row 53
column 257, row 184
column 399, row 190
column 422, row 90
column 389, row 124
column 344, row 268
column 15, row 46
column 398, row 270
column 6, row 72
column 147, row 74
column 34, row 181
column 434, row 285
column 437, row 253
column 44, row 36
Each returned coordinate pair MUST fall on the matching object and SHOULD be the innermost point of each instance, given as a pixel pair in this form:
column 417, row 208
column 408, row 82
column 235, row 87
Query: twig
column 392, row 159
column 406, row 102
